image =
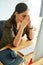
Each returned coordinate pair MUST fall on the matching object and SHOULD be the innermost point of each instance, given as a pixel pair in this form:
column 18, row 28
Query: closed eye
column 24, row 15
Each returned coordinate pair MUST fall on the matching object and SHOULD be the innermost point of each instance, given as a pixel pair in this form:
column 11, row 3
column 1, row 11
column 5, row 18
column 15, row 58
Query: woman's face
column 21, row 16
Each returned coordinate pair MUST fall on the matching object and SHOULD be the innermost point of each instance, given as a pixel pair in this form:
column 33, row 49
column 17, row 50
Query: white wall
column 7, row 7
column 35, row 11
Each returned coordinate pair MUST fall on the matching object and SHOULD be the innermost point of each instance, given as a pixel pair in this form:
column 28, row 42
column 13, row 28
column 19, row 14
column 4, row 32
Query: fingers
column 25, row 21
column 28, row 19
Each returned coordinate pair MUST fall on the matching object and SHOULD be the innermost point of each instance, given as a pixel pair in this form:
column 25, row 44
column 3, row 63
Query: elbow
column 31, row 37
column 15, row 45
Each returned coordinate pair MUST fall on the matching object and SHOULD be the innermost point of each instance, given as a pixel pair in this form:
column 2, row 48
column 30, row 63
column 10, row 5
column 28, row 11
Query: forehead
column 24, row 13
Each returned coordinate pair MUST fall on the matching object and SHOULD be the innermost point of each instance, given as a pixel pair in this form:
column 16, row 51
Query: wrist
column 30, row 27
column 21, row 28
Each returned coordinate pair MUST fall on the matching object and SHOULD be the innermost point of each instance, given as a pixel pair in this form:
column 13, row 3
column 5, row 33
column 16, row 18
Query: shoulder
column 7, row 24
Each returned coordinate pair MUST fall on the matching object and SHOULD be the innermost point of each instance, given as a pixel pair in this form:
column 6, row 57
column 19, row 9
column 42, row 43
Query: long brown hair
column 20, row 7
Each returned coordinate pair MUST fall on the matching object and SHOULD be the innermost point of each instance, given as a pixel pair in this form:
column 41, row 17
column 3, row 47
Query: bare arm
column 17, row 39
column 30, row 30
column 31, row 33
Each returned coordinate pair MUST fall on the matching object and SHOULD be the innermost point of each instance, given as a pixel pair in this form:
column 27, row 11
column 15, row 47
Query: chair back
column 1, row 28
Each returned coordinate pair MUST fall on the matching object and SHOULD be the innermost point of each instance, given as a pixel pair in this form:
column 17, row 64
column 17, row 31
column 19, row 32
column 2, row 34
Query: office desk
column 27, row 58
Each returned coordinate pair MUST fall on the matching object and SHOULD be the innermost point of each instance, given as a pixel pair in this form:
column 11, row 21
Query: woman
column 15, row 27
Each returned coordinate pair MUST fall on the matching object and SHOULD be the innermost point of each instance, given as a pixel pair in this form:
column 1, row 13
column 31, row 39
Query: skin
column 22, row 19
